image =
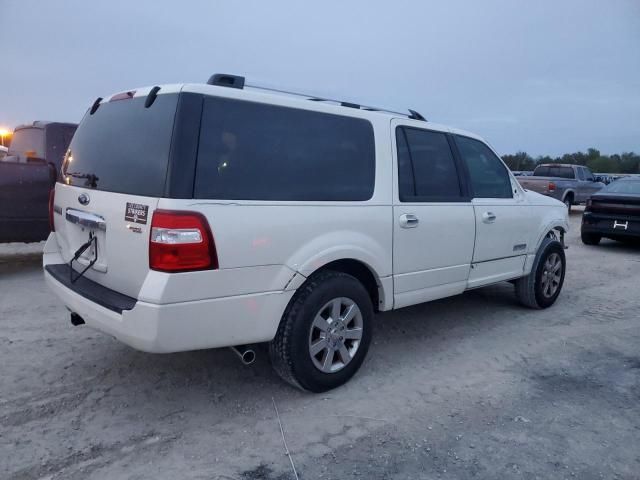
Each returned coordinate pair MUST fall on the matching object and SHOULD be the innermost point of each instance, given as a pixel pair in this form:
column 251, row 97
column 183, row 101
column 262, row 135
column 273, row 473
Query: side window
column 588, row 174
column 254, row 151
column 489, row 177
column 580, row 173
column 426, row 167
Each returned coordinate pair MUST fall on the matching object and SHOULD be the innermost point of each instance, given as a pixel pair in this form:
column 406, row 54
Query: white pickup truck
column 201, row 216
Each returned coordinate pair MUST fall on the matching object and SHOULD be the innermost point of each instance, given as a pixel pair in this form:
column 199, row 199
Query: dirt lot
column 468, row 387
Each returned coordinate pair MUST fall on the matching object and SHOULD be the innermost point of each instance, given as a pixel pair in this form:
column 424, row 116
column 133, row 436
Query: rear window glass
column 27, row 143
column 553, row 171
column 253, row 151
column 630, row 187
column 123, row 147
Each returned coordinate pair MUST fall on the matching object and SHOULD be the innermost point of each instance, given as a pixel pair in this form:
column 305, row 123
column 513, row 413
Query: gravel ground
column 468, row 387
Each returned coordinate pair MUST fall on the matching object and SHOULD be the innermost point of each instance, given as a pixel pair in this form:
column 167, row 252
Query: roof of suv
column 293, row 100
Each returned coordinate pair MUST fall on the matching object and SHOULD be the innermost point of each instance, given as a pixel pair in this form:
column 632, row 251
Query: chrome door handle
column 408, row 220
column 488, row 217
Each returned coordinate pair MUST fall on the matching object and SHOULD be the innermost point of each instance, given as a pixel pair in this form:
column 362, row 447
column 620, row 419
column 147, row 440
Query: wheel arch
column 567, row 193
column 364, row 273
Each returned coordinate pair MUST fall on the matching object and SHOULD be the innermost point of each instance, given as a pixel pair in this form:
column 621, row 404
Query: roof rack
column 235, row 81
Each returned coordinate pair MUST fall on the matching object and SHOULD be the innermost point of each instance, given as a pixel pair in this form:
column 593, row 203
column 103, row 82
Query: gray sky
column 544, row 76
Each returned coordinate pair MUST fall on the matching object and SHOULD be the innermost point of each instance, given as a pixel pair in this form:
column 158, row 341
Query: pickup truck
column 27, row 174
column 571, row 184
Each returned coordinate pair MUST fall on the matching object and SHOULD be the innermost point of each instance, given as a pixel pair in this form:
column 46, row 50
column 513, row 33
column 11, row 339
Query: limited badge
column 136, row 213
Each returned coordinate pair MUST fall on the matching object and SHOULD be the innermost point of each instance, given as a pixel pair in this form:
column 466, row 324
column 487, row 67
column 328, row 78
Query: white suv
column 204, row 216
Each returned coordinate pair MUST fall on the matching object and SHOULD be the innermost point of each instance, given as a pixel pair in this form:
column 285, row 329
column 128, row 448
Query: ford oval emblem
column 84, row 199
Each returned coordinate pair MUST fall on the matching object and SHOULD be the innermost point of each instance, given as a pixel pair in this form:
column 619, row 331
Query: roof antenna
column 416, row 116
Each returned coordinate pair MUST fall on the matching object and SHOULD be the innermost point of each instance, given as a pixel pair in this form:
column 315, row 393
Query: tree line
column 627, row 162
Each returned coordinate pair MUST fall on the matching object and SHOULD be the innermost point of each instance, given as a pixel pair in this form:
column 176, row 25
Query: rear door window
column 123, row 147
column 488, row 175
column 254, row 151
column 580, row 173
column 426, row 168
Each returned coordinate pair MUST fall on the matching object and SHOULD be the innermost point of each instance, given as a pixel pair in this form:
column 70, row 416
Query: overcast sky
column 546, row 77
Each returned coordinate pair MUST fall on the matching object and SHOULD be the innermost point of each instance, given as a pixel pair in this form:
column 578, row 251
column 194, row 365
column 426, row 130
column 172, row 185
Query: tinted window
column 27, row 143
column 630, row 187
column 123, row 147
column 489, row 176
column 588, row 174
column 252, row 151
column 554, row 171
column 426, row 168
column 580, row 174
column 58, row 138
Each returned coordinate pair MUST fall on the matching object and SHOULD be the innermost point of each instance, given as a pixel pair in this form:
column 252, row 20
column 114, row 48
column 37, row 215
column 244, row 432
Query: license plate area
column 81, row 227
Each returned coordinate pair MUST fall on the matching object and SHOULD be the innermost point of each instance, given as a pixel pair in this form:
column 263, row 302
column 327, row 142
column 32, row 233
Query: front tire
column 590, row 238
column 324, row 333
column 541, row 287
column 568, row 201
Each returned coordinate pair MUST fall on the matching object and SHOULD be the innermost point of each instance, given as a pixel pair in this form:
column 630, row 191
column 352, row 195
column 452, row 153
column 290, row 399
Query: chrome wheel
column 336, row 334
column 551, row 275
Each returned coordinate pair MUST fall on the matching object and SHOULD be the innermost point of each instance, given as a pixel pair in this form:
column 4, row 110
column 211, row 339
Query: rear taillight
column 52, row 195
column 180, row 242
column 551, row 187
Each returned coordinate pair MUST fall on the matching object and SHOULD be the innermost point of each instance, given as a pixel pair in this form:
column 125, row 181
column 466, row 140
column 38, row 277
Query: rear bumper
column 172, row 327
column 627, row 227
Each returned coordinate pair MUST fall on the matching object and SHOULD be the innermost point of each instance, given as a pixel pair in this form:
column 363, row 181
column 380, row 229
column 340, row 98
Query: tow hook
column 76, row 319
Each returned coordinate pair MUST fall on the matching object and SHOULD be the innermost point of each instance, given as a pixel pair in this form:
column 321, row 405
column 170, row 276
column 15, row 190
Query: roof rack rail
column 236, row 81
column 412, row 113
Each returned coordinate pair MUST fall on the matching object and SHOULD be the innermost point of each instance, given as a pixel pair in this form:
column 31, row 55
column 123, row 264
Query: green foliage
column 627, row 162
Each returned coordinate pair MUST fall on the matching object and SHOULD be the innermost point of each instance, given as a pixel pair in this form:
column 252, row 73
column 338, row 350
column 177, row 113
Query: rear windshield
column 27, row 143
column 630, row 187
column 553, row 171
column 123, row 147
column 253, row 151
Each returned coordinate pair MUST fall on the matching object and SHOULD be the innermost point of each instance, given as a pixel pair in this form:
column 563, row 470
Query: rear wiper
column 92, row 179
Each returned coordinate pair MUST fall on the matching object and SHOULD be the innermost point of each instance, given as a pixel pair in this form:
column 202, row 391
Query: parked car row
column 220, row 215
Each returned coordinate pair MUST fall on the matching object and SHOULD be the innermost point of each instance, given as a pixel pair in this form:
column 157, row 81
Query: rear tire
column 568, row 201
column 590, row 238
column 308, row 325
column 541, row 287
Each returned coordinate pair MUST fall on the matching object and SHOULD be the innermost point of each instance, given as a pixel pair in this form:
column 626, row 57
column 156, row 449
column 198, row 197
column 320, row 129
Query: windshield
column 553, row 171
column 27, row 143
column 123, row 147
column 630, row 187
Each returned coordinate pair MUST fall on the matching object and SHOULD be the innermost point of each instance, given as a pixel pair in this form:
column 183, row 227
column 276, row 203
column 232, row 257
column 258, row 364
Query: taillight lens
column 180, row 242
column 552, row 186
column 52, row 195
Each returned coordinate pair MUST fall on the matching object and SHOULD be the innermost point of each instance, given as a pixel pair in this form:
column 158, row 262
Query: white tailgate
column 122, row 244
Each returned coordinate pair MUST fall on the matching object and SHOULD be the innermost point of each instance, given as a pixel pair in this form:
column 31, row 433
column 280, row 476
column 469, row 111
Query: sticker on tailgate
column 136, row 212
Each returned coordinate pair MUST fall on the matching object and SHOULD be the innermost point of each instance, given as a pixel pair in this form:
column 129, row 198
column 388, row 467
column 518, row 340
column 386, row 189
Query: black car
column 613, row 212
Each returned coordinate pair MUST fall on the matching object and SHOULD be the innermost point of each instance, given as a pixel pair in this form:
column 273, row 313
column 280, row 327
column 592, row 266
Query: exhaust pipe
column 246, row 354
column 76, row 319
